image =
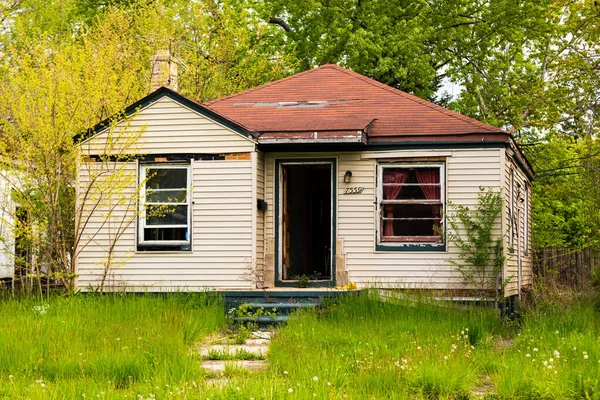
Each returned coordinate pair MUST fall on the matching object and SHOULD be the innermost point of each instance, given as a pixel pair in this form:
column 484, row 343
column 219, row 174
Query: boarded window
column 410, row 204
column 164, row 206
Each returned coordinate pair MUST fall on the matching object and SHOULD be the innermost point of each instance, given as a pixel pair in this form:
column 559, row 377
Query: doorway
column 306, row 233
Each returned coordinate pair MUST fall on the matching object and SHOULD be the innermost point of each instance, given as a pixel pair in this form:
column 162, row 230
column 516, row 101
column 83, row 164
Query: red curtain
column 390, row 192
column 429, row 180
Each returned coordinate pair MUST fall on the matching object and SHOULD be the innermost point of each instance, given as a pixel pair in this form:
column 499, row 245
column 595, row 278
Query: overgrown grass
column 359, row 348
column 111, row 345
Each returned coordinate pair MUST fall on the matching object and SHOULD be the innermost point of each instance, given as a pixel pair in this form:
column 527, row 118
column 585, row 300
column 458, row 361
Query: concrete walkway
column 218, row 356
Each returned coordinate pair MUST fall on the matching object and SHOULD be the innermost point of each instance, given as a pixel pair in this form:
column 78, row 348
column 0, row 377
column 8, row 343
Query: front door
column 305, row 238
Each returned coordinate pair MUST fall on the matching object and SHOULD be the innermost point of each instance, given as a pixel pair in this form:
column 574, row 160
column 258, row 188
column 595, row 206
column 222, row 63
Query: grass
column 107, row 346
column 359, row 348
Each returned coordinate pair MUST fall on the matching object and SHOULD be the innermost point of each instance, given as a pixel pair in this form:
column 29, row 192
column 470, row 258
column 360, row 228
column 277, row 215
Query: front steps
column 273, row 307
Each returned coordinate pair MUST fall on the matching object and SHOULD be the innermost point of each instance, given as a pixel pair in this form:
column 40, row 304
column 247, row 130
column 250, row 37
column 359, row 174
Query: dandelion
column 315, row 378
column 527, row 355
column 545, row 363
column 549, row 366
column 290, row 390
column 551, row 360
column 397, row 363
column 445, row 357
column 404, row 361
column 585, row 357
column 10, row 377
column 418, row 347
column 285, row 372
column 535, row 349
column 328, row 383
column 574, row 348
column 556, row 332
column 556, row 354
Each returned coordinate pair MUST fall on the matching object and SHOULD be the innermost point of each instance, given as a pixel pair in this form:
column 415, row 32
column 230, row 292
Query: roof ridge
column 421, row 101
column 268, row 84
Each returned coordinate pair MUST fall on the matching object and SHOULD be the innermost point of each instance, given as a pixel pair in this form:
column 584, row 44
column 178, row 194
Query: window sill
column 153, row 248
column 410, row 247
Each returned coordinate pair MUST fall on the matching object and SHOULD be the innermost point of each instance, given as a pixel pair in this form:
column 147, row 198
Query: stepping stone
column 217, row 382
column 220, row 366
column 262, row 335
column 233, row 350
column 257, row 342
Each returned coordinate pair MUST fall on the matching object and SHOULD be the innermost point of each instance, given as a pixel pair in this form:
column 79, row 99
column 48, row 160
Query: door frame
column 278, row 220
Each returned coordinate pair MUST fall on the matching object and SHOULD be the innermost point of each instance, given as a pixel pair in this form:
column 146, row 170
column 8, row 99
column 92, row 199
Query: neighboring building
column 326, row 173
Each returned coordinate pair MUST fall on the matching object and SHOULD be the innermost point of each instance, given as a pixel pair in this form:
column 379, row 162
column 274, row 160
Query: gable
column 167, row 125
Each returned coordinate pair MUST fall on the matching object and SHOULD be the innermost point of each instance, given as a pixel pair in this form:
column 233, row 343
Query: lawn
column 360, row 348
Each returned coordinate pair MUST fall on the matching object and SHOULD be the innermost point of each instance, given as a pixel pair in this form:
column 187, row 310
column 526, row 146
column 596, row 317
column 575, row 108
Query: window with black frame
column 411, row 204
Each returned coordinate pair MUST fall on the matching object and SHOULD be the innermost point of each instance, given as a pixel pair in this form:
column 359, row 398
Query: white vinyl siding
column 511, row 271
column 169, row 127
column 223, row 202
column 260, row 217
column 221, row 246
column 465, row 169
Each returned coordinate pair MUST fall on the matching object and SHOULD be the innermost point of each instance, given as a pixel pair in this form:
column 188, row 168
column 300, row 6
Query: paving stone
column 257, row 342
column 258, row 350
column 220, row 366
column 263, row 334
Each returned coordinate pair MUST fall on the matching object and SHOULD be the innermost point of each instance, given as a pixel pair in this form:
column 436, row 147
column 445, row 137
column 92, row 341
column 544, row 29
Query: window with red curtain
column 411, row 204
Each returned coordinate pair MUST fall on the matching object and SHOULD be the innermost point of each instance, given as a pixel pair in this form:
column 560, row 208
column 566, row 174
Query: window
column 165, row 207
column 410, row 204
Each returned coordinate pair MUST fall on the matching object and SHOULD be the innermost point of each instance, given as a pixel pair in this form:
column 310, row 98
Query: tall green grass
column 358, row 348
column 111, row 345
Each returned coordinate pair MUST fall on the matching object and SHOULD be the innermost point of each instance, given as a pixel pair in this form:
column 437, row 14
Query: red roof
column 331, row 99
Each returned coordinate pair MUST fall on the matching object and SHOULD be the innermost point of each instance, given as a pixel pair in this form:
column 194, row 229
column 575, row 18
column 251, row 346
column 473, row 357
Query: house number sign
column 354, row 190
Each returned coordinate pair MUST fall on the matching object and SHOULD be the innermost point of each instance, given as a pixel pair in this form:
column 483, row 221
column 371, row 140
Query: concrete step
column 263, row 321
column 278, row 308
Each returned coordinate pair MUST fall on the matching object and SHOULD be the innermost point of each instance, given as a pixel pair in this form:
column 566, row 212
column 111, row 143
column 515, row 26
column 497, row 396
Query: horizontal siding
column 466, row 171
column 260, row 216
column 169, row 128
column 511, row 269
column 222, row 240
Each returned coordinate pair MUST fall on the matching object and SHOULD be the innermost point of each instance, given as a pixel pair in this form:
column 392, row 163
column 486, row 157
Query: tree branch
column 281, row 22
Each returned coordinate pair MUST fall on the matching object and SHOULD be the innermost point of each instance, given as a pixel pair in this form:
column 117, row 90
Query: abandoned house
column 326, row 176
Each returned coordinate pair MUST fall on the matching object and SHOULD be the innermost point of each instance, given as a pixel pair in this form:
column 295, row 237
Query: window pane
column 410, row 219
column 166, row 196
column 179, row 234
column 166, row 178
column 166, row 215
column 411, row 184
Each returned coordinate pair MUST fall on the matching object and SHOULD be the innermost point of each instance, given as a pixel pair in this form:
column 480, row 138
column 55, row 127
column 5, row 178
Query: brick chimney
column 164, row 71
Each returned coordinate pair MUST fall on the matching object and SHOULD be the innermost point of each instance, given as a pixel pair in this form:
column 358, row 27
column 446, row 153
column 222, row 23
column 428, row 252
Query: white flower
column 551, row 360
column 549, row 366
column 556, row 354
column 404, row 360
column 290, row 390
column 535, row 349
column 418, row 347
column 574, row 348
column 285, row 372
column 315, row 378
column 585, row 357
column 527, row 355
column 445, row 357
column 545, row 363
column 328, row 383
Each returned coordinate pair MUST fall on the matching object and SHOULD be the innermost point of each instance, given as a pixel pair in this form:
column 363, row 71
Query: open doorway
column 306, row 222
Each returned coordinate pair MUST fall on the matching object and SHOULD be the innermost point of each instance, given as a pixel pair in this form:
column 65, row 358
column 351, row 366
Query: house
column 326, row 176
